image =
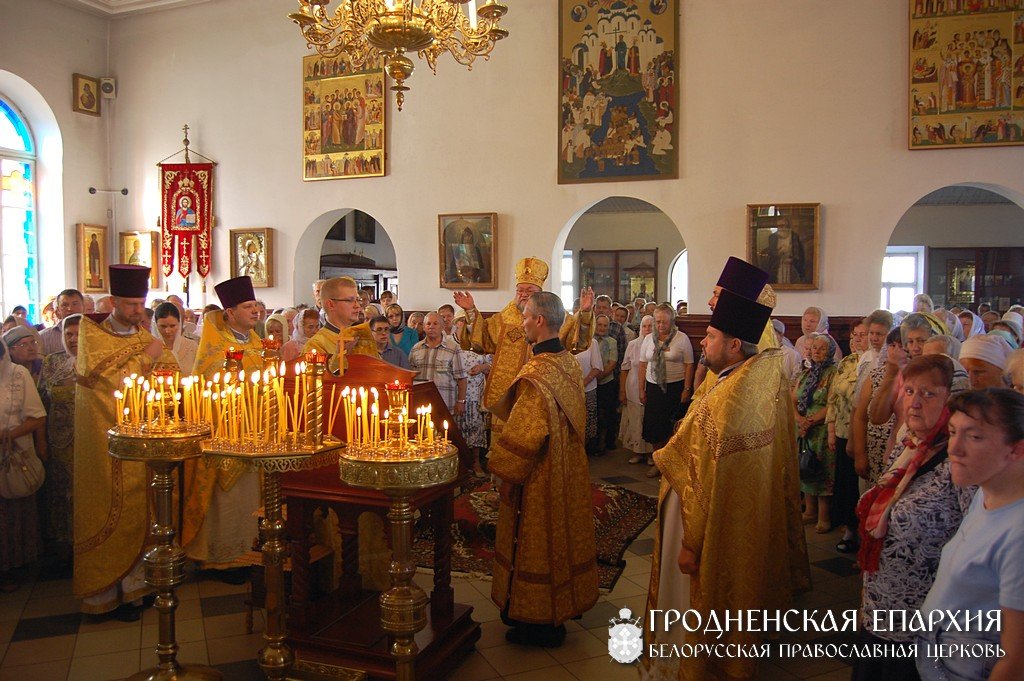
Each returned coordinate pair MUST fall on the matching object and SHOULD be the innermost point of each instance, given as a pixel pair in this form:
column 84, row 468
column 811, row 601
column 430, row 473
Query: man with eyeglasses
column 68, row 302
column 341, row 333
column 111, row 520
column 502, row 335
column 390, row 353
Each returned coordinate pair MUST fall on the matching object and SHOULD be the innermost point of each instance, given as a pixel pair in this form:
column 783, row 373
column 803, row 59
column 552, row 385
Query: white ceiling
column 114, row 8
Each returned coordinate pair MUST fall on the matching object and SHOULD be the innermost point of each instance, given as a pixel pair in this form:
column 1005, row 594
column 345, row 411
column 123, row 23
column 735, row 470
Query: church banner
column 618, row 90
column 186, row 193
column 966, row 73
column 343, row 119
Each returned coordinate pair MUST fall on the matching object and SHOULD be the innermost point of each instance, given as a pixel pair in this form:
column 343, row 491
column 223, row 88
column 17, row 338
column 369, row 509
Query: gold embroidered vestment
column 732, row 463
column 111, row 519
column 545, row 568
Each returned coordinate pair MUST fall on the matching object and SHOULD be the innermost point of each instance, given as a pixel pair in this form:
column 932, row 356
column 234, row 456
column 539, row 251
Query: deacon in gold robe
column 545, row 552
column 729, row 535
column 502, row 334
column 112, row 517
column 220, row 505
column 341, row 335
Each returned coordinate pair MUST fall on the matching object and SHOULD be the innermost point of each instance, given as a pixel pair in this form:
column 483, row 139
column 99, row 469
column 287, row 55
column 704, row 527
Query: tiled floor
column 42, row 636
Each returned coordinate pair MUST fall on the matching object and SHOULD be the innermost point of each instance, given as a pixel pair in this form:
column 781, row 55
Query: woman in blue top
column 982, row 566
column 402, row 336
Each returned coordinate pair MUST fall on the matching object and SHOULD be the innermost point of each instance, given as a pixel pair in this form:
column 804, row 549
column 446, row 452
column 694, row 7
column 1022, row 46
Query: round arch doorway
column 961, row 244
column 344, row 242
column 622, row 246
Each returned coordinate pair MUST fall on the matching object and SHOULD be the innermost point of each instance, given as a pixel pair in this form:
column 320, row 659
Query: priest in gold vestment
column 545, row 552
column 340, row 335
column 502, row 334
column 729, row 535
column 220, row 505
column 747, row 281
column 112, row 517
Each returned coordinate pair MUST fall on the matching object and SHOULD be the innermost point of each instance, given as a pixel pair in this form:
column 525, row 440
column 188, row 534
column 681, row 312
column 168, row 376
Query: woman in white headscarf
column 167, row 327
column 277, row 324
column 956, row 329
column 814, row 322
column 306, row 325
column 22, row 422
column 57, row 383
column 971, row 324
column 631, row 426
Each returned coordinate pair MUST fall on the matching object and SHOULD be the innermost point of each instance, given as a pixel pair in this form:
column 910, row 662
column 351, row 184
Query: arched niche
column 627, row 225
column 344, row 239
column 965, row 243
column 54, row 274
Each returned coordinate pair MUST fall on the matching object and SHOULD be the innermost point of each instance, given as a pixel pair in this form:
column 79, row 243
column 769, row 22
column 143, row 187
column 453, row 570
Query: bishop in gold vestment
column 502, row 334
column 729, row 500
column 545, row 569
column 220, row 504
column 112, row 518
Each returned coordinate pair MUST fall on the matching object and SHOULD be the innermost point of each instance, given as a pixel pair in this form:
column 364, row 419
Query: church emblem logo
column 625, row 638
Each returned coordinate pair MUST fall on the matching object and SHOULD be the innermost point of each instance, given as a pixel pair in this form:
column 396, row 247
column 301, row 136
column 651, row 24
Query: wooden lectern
column 343, row 627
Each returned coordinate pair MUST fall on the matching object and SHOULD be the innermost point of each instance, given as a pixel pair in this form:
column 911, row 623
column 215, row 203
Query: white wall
column 41, row 45
column 954, row 226
column 807, row 102
column 597, row 231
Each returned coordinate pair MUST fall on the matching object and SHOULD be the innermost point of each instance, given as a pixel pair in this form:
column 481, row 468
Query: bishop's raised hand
column 464, row 299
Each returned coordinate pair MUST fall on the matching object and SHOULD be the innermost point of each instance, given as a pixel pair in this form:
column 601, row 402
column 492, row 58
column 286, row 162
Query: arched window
column 19, row 243
column 679, row 279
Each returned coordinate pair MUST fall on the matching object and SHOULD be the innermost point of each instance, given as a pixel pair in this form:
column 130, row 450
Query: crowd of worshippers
column 915, row 435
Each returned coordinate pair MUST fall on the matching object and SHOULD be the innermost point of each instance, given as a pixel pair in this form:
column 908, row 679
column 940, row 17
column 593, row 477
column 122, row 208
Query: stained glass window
column 19, row 243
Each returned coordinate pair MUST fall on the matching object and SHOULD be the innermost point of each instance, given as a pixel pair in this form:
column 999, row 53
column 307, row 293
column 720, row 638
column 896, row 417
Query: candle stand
column 275, row 658
column 163, row 450
column 399, row 473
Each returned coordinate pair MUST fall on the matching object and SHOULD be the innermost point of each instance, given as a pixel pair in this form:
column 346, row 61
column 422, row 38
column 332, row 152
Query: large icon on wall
column 467, row 250
column 782, row 239
column 618, row 90
column 343, row 112
column 966, row 73
column 252, row 254
column 92, row 258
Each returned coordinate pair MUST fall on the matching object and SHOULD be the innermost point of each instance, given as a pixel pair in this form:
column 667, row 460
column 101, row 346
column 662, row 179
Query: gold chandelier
column 368, row 30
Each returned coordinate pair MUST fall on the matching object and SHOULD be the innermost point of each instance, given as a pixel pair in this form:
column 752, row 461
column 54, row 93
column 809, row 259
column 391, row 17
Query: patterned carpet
column 619, row 516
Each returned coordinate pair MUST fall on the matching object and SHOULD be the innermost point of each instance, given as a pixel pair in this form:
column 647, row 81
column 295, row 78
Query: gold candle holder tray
column 405, row 474
column 162, row 444
column 277, row 459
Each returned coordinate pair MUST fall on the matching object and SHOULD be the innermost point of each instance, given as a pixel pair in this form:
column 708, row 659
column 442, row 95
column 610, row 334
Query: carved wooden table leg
column 442, row 598
column 299, row 528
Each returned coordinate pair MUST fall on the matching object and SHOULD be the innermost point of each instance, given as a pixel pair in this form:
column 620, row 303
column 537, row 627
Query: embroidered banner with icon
column 186, row 191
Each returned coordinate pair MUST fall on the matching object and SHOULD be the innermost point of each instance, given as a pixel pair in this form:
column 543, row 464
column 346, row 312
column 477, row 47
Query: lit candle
column 446, row 432
column 364, row 424
column 359, row 433
column 374, row 423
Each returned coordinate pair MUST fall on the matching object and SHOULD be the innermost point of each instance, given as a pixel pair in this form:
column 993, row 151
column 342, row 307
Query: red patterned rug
column 619, row 515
